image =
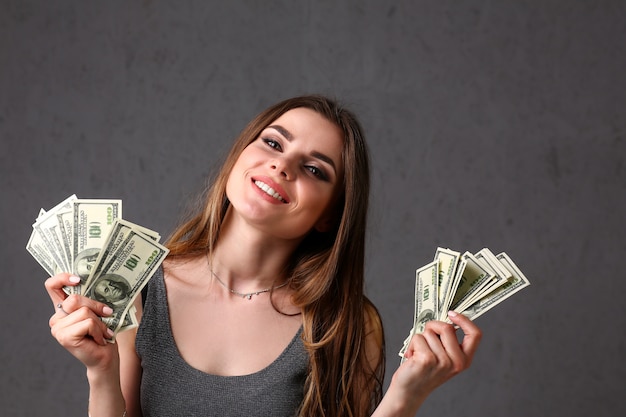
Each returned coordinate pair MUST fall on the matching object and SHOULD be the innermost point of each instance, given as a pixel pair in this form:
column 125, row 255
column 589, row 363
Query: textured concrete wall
column 491, row 123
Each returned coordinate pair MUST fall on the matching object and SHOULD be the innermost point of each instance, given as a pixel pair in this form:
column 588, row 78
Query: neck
column 247, row 260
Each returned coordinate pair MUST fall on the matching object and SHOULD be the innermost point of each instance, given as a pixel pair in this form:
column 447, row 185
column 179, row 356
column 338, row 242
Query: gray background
column 491, row 123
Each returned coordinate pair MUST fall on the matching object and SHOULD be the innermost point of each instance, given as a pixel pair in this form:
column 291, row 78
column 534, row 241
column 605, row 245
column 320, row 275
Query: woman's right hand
column 77, row 326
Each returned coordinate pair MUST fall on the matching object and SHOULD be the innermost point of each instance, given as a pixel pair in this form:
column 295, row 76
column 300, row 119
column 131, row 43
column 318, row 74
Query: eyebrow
column 287, row 134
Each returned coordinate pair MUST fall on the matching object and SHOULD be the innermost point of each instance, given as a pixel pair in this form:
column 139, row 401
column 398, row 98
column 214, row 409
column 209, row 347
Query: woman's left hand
column 433, row 357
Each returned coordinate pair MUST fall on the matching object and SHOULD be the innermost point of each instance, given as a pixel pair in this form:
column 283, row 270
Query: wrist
column 99, row 378
column 105, row 393
column 104, row 369
column 398, row 403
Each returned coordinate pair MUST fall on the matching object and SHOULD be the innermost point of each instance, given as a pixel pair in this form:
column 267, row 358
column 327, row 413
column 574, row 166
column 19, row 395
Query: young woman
column 259, row 308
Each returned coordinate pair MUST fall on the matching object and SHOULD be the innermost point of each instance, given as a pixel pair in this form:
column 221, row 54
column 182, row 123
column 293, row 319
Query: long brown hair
column 326, row 271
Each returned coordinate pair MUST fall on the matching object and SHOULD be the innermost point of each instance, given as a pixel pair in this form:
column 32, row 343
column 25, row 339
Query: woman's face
column 286, row 181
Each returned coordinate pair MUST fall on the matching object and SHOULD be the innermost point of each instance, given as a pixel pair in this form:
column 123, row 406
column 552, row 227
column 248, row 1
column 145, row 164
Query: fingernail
column 110, row 332
column 452, row 313
column 107, row 311
column 74, row 279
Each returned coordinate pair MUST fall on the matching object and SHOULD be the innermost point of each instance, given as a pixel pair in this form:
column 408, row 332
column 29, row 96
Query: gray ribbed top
column 171, row 387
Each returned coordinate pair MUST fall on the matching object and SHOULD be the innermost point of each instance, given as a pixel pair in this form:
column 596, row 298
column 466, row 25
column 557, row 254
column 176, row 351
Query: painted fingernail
column 74, row 279
column 107, row 310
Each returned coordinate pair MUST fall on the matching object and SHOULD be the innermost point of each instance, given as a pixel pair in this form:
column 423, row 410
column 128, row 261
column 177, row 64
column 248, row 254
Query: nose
column 281, row 166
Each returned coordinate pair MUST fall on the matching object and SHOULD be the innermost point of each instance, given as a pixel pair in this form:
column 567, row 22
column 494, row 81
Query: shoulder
column 185, row 272
column 374, row 334
column 373, row 322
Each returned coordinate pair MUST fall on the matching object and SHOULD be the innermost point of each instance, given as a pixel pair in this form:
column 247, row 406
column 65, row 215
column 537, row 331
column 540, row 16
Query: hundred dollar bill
column 93, row 221
column 474, row 278
column 405, row 344
column 499, row 274
column 118, row 234
column 494, row 262
column 426, row 298
column 426, row 295
column 37, row 248
column 448, row 260
column 454, row 286
column 130, row 320
column 479, row 283
column 516, row 281
column 66, row 227
column 126, row 272
column 49, row 231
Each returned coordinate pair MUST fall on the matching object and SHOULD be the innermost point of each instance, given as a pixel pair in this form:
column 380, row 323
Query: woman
column 259, row 308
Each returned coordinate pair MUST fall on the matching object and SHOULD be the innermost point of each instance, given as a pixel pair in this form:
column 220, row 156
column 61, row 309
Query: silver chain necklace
column 247, row 295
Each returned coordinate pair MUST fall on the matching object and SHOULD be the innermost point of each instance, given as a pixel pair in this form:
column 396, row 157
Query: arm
column 130, row 366
column 432, row 358
column 77, row 327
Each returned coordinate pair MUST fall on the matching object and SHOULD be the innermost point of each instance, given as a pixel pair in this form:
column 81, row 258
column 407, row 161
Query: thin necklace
column 247, row 295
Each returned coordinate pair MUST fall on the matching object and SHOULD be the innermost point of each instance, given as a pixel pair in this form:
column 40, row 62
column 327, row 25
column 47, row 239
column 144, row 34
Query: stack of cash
column 470, row 284
column 113, row 258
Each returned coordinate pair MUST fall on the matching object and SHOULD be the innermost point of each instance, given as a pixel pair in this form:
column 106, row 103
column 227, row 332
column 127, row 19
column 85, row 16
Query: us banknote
column 124, row 270
column 470, row 284
column 426, row 298
column 93, row 221
column 46, row 242
column 113, row 257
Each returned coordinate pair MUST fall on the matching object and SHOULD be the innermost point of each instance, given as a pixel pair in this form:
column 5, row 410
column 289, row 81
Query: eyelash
column 272, row 144
column 315, row 171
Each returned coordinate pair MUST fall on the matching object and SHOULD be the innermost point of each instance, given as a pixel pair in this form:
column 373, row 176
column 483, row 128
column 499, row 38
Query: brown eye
column 317, row 172
column 272, row 144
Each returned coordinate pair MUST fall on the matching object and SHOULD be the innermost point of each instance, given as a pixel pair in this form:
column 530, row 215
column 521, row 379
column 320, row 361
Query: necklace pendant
column 245, row 295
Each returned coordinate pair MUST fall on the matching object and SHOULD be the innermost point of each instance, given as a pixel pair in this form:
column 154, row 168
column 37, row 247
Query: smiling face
column 286, row 180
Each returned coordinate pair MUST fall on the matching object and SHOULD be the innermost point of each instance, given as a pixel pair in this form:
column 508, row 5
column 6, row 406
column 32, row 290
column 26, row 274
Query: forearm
column 105, row 394
column 397, row 404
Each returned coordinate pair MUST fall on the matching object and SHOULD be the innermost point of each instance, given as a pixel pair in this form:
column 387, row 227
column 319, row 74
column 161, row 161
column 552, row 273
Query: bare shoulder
column 374, row 334
column 373, row 322
column 185, row 272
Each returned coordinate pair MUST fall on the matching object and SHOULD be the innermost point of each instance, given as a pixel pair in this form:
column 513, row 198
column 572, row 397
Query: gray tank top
column 171, row 387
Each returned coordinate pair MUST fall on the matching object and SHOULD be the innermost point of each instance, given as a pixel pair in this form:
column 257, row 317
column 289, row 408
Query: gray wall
column 491, row 123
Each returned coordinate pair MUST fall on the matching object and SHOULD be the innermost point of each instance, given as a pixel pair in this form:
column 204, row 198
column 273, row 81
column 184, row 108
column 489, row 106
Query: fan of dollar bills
column 114, row 258
column 470, row 284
